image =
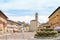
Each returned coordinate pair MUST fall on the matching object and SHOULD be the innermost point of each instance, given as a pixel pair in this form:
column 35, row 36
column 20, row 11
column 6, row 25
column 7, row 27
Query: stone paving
column 24, row 36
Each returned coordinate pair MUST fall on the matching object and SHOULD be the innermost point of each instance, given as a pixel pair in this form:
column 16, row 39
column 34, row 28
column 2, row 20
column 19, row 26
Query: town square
column 29, row 20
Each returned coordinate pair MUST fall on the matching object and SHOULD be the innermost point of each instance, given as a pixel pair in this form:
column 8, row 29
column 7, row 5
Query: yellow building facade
column 27, row 28
column 3, row 22
column 54, row 18
column 13, row 26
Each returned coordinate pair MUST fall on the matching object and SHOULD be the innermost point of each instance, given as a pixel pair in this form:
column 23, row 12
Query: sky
column 24, row 10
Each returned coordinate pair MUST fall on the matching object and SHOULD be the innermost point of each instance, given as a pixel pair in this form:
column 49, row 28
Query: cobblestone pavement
column 24, row 36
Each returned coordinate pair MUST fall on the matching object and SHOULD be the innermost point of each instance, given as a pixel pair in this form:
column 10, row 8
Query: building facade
column 44, row 26
column 3, row 22
column 13, row 26
column 54, row 18
column 27, row 27
column 34, row 24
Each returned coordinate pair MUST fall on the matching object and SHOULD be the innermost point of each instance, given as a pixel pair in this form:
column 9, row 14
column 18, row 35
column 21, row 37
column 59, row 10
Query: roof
column 13, row 22
column 36, row 13
column 33, row 20
column 54, row 12
column 19, row 22
column 3, row 14
column 10, row 21
column 27, row 25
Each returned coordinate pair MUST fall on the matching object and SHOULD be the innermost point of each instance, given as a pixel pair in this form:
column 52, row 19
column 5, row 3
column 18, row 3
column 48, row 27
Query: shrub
column 46, row 33
column 49, row 29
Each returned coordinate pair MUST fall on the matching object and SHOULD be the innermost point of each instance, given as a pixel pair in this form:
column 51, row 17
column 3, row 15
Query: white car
column 58, row 29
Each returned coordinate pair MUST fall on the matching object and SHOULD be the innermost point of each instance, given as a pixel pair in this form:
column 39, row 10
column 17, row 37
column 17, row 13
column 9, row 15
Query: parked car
column 58, row 29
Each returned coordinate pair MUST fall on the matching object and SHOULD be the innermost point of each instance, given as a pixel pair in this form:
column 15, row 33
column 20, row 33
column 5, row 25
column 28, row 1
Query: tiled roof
column 3, row 14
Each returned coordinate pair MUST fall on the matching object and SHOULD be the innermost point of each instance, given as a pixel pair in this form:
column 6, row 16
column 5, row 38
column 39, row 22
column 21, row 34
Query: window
column 57, row 22
column 57, row 15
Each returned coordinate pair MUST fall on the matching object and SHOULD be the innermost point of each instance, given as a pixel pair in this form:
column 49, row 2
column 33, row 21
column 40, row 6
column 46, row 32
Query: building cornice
column 3, row 14
column 54, row 12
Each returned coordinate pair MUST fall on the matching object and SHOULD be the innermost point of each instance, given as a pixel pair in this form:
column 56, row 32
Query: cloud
column 27, row 19
column 21, row 18
column 14, row 9
column 29, row 4
column 19, row 4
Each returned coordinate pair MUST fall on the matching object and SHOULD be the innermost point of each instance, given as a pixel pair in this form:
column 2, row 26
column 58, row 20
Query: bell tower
column 36, row 17
column 34, row 23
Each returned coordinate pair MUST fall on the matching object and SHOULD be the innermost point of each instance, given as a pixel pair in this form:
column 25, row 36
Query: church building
column 34, row 23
